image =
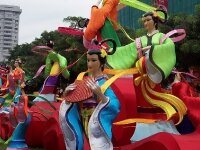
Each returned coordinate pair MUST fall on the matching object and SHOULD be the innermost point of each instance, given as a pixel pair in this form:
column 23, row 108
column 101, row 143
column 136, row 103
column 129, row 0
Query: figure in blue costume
column 102, row 108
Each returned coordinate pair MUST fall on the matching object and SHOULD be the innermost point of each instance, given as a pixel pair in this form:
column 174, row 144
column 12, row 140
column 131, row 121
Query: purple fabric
column 51, row 81
column 17, row 148
column 90, row 103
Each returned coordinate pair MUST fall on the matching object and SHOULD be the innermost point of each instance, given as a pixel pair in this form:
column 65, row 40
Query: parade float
column 135, row 80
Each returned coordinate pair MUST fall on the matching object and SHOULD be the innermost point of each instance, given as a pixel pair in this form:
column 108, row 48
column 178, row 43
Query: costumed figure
column 152, row 51
column 17, row 112
column 44, row 130
column 151, row 58
column 153, row 67
column 55, row 65
column 87, row 109
column 182, row 89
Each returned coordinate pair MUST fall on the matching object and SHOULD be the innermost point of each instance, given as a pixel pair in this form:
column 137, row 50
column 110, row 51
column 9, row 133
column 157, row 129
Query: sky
column 40, row 15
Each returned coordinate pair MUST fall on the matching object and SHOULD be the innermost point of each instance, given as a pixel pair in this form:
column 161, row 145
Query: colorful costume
column 55, row 65
column 46, row 123
column 157, row 66
column 100, row 122
column 15, row 107
column 153, row 69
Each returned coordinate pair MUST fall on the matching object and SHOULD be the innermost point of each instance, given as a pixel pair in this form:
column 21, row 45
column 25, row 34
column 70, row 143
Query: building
column 9, row 27
column 129, row 17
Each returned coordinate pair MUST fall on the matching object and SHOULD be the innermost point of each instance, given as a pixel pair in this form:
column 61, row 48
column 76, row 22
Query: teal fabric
column 73, row 118
column 18, row 136
column 110, row 111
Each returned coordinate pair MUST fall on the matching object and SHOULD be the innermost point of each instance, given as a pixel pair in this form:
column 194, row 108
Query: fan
column 80, row 93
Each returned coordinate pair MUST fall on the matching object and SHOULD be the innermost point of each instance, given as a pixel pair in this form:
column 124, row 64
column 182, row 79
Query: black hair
column 102, row 60
column 156, row 18
column 50, row 44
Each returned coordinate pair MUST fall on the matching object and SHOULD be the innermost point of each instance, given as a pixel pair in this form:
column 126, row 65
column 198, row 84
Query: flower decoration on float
column 103, row 53
column 155, row 14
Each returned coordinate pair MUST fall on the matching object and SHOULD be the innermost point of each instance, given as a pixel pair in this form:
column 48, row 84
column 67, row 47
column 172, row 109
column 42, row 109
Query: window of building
column 5, row 31
column 7, row 44
column 7, row 36
column 6, row 27
column 8, row 19
column 8, row 40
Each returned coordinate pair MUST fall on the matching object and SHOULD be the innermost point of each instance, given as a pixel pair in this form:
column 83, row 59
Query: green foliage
column 73, row 21
column 188, row 50
column 122, row 37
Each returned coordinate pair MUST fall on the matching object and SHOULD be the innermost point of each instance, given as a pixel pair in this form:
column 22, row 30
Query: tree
column 188, row 50
column 73, row 21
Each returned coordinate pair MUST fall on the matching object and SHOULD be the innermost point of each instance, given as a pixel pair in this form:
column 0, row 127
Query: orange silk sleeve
column 98, row 16
column 18, row 74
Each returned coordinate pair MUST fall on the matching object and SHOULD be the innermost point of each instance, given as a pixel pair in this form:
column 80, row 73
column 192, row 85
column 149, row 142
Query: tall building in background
column 9, row 28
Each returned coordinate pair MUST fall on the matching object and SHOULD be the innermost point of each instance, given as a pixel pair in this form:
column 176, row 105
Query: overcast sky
column 40, row 15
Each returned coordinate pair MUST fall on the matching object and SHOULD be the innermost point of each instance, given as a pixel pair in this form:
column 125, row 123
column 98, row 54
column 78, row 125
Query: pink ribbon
column 186, row 73
column 39, row 71
column 178, row 38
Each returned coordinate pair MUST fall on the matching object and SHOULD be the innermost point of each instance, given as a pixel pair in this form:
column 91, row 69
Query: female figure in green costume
column 156, row 54
column 157, row 67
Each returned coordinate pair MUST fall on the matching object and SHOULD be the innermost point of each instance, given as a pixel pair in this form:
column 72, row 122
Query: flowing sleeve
column 124, row 57
column 162, row 59
column 98, row 17
column 110, row 111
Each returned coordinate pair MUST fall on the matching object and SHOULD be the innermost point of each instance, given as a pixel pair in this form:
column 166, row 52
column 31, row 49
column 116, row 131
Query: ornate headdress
column 101, row 48
column 155, row 15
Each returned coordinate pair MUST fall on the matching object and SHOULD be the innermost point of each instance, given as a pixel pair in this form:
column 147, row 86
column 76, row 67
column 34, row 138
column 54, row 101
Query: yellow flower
column 103, row 53
column 155, row 14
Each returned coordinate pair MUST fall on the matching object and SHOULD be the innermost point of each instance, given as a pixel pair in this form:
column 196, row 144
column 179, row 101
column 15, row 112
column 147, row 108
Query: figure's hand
column 95, row 89
column 177, row 77
column 22, row 85
column 93, row 86
column 146, row 49
column 69, row 88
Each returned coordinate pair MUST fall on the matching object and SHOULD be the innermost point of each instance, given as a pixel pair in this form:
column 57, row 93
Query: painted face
column 149, row 24
column 93, row 63
column 16, row 63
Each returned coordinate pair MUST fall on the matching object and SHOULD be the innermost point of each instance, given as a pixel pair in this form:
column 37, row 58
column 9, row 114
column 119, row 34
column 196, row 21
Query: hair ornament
column 103, row 53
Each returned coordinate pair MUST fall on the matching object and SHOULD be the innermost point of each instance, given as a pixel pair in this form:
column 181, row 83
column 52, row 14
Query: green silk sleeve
column 123, row 58
column 162, row 56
